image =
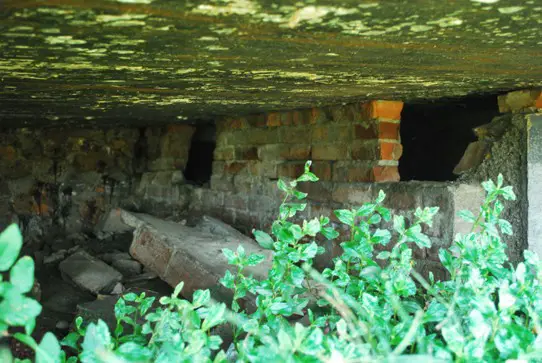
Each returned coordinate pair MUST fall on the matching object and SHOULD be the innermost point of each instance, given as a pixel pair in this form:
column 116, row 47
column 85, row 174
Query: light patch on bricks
column 511, row 9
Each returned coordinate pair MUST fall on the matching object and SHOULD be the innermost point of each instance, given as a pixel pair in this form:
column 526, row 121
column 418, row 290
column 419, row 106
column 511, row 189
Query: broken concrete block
column 218, row 228
column 127, row 268
column 89, row 273
column 473, row 157
column 180, row 253
column 111, row 224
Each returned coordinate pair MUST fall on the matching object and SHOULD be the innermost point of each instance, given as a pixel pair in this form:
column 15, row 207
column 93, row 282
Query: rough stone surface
column 534, row 189
column 180, row 253
column 508, row 156
column 70, row 62
column 89, row 273
column 128, row 268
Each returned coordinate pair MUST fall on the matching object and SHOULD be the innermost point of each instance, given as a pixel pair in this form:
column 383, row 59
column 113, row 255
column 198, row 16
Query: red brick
column 291, row 170
column 388, row 130
column 320, row 192
column 234, row 168
column 329, row 152
column 322, row 169
column 297, row 117
column 390, row 151
column 352, row 172
column 385, row 174
column 387, row 110
column 365, row 132
column 538, row 102
column 365, row 151
column 273, row 119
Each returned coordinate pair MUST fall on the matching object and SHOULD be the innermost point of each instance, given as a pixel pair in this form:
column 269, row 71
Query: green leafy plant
column 371, row 305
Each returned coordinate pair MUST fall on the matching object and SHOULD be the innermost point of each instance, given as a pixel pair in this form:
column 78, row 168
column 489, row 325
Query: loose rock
column 90, row 273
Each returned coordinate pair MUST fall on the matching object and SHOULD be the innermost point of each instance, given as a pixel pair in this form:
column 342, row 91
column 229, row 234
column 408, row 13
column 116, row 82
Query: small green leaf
column 313, row 227
column 329, row 233
column 201, row 298
column 214, row 317
column 345, row 216
column 263, row 239
column 255, row 259
column 282, row 185
column 71, row 340
column 134, row 352
column 11, row 242
column 384, row 255
column 130, row 297
column 506, row 227
column 97, row 337
column 228, row 280
column 467, row 215
column 21, row 274
column 49, row 349
column 230, row 256
column 178, row 289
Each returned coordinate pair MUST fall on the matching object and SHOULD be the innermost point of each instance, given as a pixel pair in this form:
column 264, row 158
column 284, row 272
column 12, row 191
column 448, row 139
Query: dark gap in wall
column 435, row 135
column 200, row 157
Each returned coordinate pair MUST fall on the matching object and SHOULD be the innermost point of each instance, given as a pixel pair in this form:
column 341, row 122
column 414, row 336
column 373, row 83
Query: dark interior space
column 200, row 158
column 435, row 135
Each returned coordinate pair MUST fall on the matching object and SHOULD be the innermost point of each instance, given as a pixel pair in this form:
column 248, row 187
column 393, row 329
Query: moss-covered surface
column 109, row 61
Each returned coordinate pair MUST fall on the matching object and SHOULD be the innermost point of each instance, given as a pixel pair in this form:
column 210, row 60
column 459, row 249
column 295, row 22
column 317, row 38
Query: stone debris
column 474, row 156
column 193, row 255
column 89, row 273
column 128, row 268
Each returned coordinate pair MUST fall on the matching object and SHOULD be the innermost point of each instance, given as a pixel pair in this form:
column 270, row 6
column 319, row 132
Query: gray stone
column 110, row 224
column 473, row 157
column 128, row 268
column 465, row 197
column 89, row 273
column 114, row 256
column 534, row 180
column 55, row 257
column 180, row 253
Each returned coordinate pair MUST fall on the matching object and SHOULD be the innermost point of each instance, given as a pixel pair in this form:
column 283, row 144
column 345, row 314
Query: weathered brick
column 384, row 110
column 234, row 167
column 366, row 131
column 273, row 119
column 331, row 133
column 294, row 135
column 273, row 152
column 353, row 194
column 335, row 151
column 301, row 117
column 236, row 201
column 385, row 174
column 263, row 169
column 286, row 118
column 320, row 192
column 388, row 130
column 291, row 169
column 352, row 172
column 390, row 151
column 297, row 152
column 316, row 115
column 222, row 182
column 181, row 129
column 368, row 150
column 246, row 153
column 519, row 100
column 257, row 120
column 322, row 169
column 261, row 136
column 224, row 153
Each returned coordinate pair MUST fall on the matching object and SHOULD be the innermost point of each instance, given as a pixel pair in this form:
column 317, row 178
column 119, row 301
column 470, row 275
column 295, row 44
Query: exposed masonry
column 71, row 178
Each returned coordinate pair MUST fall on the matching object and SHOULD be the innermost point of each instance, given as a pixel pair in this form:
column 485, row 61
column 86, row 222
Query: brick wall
column 352, row 143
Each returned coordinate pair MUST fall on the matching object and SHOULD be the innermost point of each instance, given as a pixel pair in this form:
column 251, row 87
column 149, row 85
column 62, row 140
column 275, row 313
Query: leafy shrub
column 368, row 307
